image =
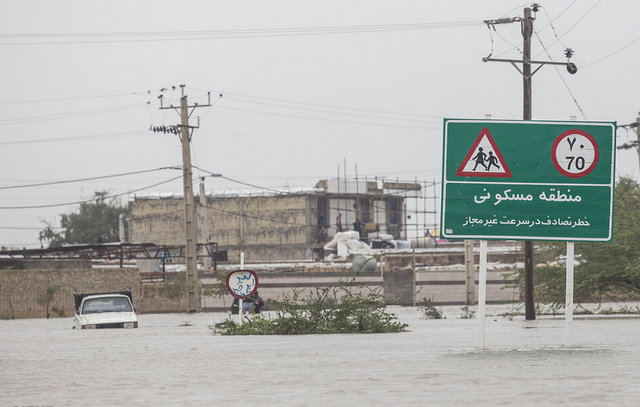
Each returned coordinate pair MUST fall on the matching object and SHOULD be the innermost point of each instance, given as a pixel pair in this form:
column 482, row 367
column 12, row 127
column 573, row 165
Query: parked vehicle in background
column 104, row 310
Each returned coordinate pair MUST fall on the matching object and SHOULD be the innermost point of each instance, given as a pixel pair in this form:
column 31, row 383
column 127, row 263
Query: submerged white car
column 104, row 310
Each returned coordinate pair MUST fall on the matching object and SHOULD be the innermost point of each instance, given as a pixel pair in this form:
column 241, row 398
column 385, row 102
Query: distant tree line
column 604, row 270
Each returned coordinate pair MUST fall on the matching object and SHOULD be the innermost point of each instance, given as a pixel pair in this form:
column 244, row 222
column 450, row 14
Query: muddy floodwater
column 174, row 360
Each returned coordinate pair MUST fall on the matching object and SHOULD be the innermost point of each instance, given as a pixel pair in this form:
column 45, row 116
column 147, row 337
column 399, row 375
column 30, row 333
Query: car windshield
column 109, row 304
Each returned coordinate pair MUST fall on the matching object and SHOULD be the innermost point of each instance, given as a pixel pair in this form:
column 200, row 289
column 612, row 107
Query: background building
column 274, row 226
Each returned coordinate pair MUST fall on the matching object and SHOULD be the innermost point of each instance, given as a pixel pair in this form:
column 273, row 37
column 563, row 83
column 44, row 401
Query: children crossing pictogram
column 484, row 159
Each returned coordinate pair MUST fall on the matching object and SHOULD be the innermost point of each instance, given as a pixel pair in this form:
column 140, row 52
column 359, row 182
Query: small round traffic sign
column 242, row 283
column 575, row 153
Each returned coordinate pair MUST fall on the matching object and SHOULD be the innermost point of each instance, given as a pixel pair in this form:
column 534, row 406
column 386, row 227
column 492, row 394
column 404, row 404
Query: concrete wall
column 425, row 275
column 23, row 291
column 266, row 228
column 399, row 286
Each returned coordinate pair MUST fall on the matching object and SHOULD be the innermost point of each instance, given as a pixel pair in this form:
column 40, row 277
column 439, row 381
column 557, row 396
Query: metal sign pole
column 568, row 316
column 240, row 301
column 482, row 293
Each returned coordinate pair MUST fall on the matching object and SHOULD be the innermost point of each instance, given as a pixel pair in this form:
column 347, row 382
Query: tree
column 603, row 270
column 96, row 222
column 614, row 267
column 46, row 298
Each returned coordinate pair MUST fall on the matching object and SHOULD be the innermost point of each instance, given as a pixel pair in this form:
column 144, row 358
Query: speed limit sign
column 575, row 153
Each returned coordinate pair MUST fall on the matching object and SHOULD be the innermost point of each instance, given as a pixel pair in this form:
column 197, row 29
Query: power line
column 91, row 200
column 326, row 119
column 71, row 98
column 58, row 116
column 236, row 181
column 115, row 37
column 542, row 29
column 84, row 137
column 90, row 178
column 611, row 54
column 253, row 186
column 566, row 85
column 308, row 109
column 22, row 228
column 336, row 107
column 553, row 28
column 570, row 28
column 577, row 22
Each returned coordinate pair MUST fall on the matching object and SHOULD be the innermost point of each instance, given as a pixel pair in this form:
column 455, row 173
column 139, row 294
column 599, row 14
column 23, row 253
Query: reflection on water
column 173, row 359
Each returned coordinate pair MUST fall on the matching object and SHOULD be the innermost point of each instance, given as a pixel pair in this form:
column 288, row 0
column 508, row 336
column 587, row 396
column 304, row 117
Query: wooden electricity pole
column 184, row 131
column 527, row 30
column 191, row 256
column 469, row 268
column 204, row 228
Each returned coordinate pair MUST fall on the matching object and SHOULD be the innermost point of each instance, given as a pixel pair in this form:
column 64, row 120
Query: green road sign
column 530, row 180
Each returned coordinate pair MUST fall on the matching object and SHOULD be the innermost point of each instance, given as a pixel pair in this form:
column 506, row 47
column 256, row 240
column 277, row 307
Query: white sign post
column 240, row 300
column 482, row 293
column 242, row 284
column 568, row 315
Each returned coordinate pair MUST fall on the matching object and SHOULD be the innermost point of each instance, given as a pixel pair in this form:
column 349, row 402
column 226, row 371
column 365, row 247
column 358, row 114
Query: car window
column 111, row 304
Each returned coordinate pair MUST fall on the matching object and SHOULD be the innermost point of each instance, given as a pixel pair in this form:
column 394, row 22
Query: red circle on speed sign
column 242, row 283
column 575, row 153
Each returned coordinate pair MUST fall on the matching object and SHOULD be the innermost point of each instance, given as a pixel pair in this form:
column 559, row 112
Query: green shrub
column 428, row 310
column 467, row 313
column 320, row 313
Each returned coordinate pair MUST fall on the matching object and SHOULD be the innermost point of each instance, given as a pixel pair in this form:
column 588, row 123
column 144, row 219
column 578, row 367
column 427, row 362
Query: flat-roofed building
column 273, row 226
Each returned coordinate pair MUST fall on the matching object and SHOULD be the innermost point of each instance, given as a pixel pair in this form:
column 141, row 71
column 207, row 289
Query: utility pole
column 527, row 30
column 184, row 131
column 191, row 259
column 529, row 287
column 204, row 227
column 635, row 143
column 469, row 268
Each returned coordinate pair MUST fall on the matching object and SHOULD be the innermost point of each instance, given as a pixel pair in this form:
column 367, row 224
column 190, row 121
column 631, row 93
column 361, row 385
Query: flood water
column 174, row 360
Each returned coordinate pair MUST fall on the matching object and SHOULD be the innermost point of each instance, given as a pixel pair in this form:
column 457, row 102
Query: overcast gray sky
column 306, row 85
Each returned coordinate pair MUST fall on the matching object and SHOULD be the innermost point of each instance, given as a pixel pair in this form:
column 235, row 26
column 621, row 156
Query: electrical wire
column 238, row 182
column 91, row 200
column 22, row 228
column 22, row 120
column 566, row 85
column 71, row 98
column 326, row 119
column 236, row 31
column 123, row 174
column 82, row 138
column 307, row 109
column 575, row 24
column 542, row 29
column 611, row 54
column 252, row 185
column 325, row 109
column 335, row 107
column 114, row 37
column 553, row 28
